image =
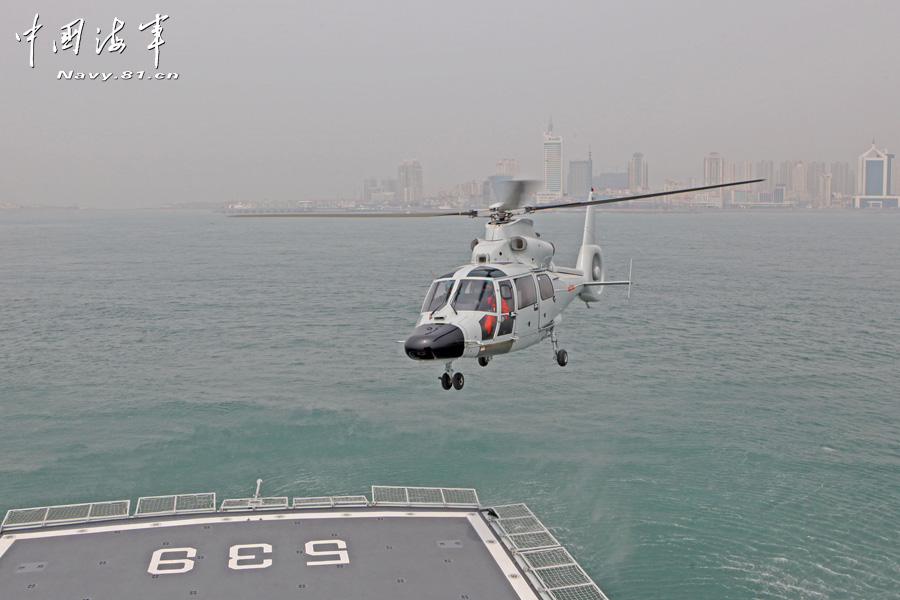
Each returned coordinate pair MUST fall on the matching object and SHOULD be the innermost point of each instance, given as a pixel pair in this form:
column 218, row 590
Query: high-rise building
column 814, row 171
column 390, row 185
column 825, row 190
column 798, row 178
column 785, row 174
column 739, row 171
column 895, row 180
column 875, row 172
column 875, row 178
column 507, row 166
column 581, row 174
column 370, row 186
column 637, row 172
column 410, row 182
column 779, row 193
column 713, row 169
column 714, row 172
column 765, row 169
column 842, row 183
column 553, row 165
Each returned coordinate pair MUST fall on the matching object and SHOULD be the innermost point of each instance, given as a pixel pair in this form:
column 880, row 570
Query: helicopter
column 511, row 295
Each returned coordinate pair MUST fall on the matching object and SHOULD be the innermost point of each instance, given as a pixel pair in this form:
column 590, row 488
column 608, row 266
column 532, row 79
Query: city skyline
column 291, row 101
column 797, row 181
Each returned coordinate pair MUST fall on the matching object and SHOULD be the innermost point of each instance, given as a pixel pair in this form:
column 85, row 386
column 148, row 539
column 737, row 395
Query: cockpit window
column 491, row 272
column 475, row 294
column 437, row 295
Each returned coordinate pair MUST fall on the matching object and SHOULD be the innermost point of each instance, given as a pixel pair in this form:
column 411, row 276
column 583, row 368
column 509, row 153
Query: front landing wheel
column 446, row 382
column 459, row 381
column 484, row 360
column 562, row 358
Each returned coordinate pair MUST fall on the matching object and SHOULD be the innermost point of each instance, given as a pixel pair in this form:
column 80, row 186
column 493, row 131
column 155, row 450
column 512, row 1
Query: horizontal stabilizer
column 628, row 283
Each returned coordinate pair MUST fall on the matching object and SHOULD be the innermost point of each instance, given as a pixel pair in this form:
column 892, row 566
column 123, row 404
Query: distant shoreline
column 354, row 212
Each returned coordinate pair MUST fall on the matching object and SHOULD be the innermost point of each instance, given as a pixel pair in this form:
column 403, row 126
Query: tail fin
column 590, row 257
column 588, row 239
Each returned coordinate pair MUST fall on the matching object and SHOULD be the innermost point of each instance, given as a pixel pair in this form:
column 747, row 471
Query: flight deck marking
column 341, row 552
column 5, row 542
column 488, row 538
column 238, row 561
column 223, row 519
column 502, row 559
column 186, row 561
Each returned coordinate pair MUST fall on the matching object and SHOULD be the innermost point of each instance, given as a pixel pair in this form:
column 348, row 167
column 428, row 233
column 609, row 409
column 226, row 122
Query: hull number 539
column 167, row 561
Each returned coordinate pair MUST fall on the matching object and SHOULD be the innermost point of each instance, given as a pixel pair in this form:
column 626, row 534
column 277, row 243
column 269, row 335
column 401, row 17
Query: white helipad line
column 519, row 582
column 149, row 523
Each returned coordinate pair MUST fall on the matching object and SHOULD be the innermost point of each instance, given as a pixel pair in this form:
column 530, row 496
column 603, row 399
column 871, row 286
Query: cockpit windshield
column 475, row 294
column 438, row 295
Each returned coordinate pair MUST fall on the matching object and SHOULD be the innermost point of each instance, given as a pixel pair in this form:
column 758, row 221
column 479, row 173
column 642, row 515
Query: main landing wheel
column 446, row 382
column 484, row 360
column 459, row 381
column 562, row 358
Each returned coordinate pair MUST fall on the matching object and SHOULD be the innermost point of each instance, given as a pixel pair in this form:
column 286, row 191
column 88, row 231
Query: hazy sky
column 300, row 100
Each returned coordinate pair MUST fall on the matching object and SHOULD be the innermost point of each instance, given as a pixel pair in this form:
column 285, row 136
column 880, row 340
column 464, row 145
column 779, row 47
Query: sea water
column 731, row 431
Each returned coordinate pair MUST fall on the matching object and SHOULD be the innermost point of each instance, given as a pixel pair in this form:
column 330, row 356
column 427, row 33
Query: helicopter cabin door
column 549, row 309
column 528, row 312
column 506, row 328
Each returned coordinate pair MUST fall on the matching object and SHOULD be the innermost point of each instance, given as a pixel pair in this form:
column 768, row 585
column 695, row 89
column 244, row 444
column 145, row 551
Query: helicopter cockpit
column 467, row 295
column 474, row 294
column 438, row 295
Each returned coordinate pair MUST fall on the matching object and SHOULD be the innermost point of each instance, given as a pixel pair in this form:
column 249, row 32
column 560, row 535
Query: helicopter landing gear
column 562, row 357
column 452, row 380
column 484, row 360
column 458, row 381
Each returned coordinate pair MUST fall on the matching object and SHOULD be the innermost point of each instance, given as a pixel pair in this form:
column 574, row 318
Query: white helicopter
column 512, row 294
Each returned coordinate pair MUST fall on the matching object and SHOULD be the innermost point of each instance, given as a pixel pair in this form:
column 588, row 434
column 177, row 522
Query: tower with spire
column 553, row 166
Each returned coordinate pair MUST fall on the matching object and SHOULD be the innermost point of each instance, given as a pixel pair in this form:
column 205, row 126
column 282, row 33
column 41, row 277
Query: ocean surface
column 731, row 432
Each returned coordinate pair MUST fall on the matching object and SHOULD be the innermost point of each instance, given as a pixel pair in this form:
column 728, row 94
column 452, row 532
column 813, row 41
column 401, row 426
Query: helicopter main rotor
column 509, row 207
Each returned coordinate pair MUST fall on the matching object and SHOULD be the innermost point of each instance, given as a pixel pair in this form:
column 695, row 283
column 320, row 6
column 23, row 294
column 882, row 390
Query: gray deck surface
column 390, row 554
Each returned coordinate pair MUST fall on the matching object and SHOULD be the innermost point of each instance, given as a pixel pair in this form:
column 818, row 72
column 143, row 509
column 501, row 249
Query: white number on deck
column 186, row 561
column 237, row 560
column 246, row 556
column 341, row 553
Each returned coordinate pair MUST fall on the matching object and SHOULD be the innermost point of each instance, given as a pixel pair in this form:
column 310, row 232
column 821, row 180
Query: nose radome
column 435, row 341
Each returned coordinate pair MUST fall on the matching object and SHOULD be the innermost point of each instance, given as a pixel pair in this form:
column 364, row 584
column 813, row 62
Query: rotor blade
column 640, row 197
column 357, row 215
column 516, row 192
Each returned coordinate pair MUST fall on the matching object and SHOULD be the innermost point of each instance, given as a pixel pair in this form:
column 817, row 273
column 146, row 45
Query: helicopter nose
column 435, row 341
